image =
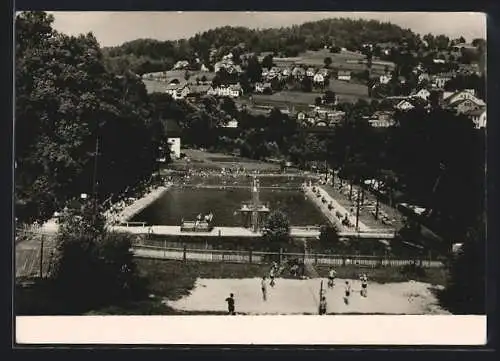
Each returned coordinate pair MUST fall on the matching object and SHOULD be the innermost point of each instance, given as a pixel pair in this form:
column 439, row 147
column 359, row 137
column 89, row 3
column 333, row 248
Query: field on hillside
column 346, row 88
column 346, row 60
column 285, row 98
column 155, row 86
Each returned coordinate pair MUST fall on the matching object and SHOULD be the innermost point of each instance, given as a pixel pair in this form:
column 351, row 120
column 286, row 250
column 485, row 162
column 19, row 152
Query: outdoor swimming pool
column 178, row 203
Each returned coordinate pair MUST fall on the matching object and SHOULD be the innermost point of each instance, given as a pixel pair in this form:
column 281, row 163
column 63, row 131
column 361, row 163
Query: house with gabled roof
column 404, row 105
column 178, row 90
column 318, row 78
column 310, row 72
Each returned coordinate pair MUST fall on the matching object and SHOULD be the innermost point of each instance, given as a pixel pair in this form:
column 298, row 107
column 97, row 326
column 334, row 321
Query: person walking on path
column 271, row 276
column 347, row 292
column 264, row 288
column 322, row 306
column 331, row 278
column 364, row 285
column 230, row 304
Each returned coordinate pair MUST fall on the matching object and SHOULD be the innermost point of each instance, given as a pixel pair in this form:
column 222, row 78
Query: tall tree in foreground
column 465, row 291
column 92, row 267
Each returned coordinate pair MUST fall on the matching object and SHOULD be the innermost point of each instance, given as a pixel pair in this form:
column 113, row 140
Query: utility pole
column 95, row 181
column 41, row 257
column 358, row 200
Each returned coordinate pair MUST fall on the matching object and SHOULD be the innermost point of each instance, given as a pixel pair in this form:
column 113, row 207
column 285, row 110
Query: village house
column 440, row 80
column 262, row 87
column 465, row 46
column 325, row 72
column 385, row 78
column 178, row 90
column 468, row 69
column 286, row 72
column 318, row 78
column 298, row 72
column 310, row 72
column 461, row 95
column 232, row 91
column 181, row 64
column 382, row 119
column 233, row 123
column 478, row 117
column 404, row 105
column 203, row 68
column 423, row 77
column 423, row 94
column 301, row 115
column 344, row 75
column 463, row 106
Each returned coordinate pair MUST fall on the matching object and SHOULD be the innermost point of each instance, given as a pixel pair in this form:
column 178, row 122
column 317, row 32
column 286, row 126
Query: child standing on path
column 230, row 304
column 264, row 288
column 347, row 292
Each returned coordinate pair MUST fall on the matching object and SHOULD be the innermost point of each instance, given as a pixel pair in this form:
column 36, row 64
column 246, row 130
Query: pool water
column 186, row 203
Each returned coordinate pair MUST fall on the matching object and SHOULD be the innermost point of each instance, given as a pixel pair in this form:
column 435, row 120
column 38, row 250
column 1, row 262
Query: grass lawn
column 201, row 159
column 286, row 97
column 348, row 88
column 174, row 279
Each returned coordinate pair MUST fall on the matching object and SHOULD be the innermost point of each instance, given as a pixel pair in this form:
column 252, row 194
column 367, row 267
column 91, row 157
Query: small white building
column 178, row 91
column 319, row 78
column 175, row 147
column 423, row 94
column 384, row 79
column 310, row 72
column 181, row 64
column 404, row 105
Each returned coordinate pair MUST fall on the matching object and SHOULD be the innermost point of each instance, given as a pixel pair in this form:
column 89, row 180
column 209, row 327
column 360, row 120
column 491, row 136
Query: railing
column 133, row 224
column 249, row 256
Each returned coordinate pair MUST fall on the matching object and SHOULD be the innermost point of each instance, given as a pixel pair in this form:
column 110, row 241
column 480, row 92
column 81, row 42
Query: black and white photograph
column 240, row 164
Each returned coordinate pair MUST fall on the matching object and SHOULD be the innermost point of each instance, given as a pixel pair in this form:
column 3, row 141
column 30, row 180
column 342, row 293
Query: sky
column 115, row 28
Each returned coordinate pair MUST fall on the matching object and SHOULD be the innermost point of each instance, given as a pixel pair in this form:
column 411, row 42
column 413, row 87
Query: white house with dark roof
column 385, row 78
column 461, row 95
column 310, row 72
column 318, row 78
column 404, row 105
column 423, row 94
column 178, row 90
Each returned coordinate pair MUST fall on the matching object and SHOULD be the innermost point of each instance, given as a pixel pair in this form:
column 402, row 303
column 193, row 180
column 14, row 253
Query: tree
column 92, row 268
column 317, row 101
column 277, row 228
column 465, row 290
column 254, row 70
column 67, row 106
column 327, row 62
column 267, row 61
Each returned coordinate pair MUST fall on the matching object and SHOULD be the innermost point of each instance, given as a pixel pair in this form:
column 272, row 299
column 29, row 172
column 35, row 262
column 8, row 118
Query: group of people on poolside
column 323, row 307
